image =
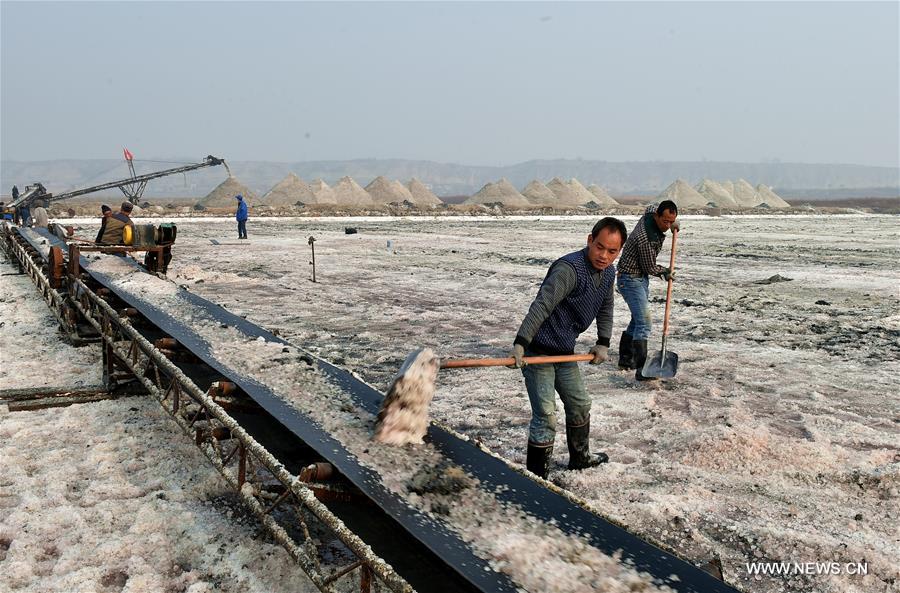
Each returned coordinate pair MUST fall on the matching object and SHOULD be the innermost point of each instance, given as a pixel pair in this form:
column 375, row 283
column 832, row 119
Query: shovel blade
column 661, row 367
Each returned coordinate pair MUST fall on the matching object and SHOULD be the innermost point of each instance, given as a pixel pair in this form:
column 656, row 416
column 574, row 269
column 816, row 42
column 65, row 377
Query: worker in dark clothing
column 637, row 264
column 577, row 289
column 241, row 215
column 106, row 212
column 114, row 232
column 15, row 193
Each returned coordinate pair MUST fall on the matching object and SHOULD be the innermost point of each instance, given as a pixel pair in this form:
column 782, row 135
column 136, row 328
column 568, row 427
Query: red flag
column 128, row 155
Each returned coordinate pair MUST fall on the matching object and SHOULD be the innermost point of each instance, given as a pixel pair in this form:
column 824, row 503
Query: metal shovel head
column 661, row 366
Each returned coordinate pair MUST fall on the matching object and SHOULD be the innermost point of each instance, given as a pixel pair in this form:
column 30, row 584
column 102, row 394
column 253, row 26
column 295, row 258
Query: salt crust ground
column 28, row 326
column 777, row 441
column 111, row 496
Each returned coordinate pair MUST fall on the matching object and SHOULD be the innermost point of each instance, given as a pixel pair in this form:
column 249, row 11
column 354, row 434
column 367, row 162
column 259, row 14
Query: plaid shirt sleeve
column 640, row 252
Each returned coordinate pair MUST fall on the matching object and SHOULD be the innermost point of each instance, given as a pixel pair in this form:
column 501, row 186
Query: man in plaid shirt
column 637, row 264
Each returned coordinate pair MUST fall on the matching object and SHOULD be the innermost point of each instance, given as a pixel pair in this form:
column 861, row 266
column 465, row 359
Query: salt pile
column 322, row 192
column 288, row 192
column 383, row 191
column 539, row 194
column 401, row 189
column 729, row 187
column 716, row 194
column 349, row 193
column 223, row 195
column 745, row 194
column 770, row 198
column 684, row 196
column 601, row 196
column 404, row 413
column 581, row 192
column 422, row 196
column 502, row 191
column 565, row 195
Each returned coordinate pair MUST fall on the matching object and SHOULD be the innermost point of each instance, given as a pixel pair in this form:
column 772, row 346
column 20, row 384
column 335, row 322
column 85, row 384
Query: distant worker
column 637, row 264
column 241, row 215
column 41, row 219
column 24, row 215
column 115, row 225
column 577, row 290
column 105, row 212
column 15, row 193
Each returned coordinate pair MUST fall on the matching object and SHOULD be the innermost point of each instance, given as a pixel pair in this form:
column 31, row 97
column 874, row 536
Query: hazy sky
column 473, row 83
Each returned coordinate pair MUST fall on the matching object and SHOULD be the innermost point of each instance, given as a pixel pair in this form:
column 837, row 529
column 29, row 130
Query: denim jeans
column 242, row 229
column 543, row 381
column 636, row 292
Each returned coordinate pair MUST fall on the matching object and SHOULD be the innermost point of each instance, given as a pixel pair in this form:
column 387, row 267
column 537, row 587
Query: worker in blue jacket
column 241, row 215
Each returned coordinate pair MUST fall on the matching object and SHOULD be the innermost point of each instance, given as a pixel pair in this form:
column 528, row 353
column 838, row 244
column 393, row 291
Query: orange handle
column 458, row 363
column 669, row 288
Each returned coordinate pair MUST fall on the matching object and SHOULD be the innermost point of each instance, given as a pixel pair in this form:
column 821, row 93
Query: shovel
column 403, row 417
column 459, row 363
column 664, row 364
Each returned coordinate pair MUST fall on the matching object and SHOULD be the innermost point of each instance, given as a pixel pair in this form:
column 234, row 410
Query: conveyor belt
column 517, row 489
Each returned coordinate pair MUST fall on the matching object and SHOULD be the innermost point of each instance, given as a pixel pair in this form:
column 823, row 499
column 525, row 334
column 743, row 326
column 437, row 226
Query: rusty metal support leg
column 242, row 465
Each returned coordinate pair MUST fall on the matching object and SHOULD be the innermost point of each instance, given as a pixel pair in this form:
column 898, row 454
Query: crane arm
column 37, row 191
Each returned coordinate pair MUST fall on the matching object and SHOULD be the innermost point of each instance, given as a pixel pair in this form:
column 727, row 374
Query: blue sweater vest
column 576, row 312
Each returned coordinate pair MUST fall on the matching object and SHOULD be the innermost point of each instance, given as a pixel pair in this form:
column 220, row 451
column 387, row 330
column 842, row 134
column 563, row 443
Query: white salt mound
column 401, row 190
column 684, row 196
column 716, row 194
column 322, row 192
column 581, row 193
column 349, row 193
column 565, row 196
column 770, row 198
column 745, row 194
column 539, row 194
column 404, row 413
column 223, row 195
column 421, row 194
column 502, row 191
column 288, row 192
column 383, row 191
column 601, row 196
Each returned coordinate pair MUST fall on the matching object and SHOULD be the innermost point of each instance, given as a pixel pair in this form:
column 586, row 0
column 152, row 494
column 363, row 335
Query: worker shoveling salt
column 404, row 413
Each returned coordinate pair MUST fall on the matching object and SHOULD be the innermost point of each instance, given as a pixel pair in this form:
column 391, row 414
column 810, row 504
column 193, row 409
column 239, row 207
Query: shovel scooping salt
column 403, row 417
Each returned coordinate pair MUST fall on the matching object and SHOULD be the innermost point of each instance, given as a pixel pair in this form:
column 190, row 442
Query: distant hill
column 448, row 179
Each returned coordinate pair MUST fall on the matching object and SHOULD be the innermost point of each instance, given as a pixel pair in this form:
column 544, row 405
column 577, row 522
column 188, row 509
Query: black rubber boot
column 538, row 460
column 579, row 448
column 640, row 357
column 626, row 353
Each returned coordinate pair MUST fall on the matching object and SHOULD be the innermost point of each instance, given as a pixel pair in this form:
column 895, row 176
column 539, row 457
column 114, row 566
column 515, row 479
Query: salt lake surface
column 777, row 442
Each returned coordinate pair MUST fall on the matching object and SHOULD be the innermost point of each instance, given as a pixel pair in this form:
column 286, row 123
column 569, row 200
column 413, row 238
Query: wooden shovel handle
column 458, row 363
column 669, row 288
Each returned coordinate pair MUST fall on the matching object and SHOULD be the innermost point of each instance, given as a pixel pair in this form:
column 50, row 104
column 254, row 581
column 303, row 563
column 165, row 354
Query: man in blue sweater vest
column 577, row 289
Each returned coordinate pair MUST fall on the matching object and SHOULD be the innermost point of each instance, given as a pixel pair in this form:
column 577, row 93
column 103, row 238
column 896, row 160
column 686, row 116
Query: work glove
column 667, row 274
column 601, row 353
column 518, row 353
column 676, row 227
